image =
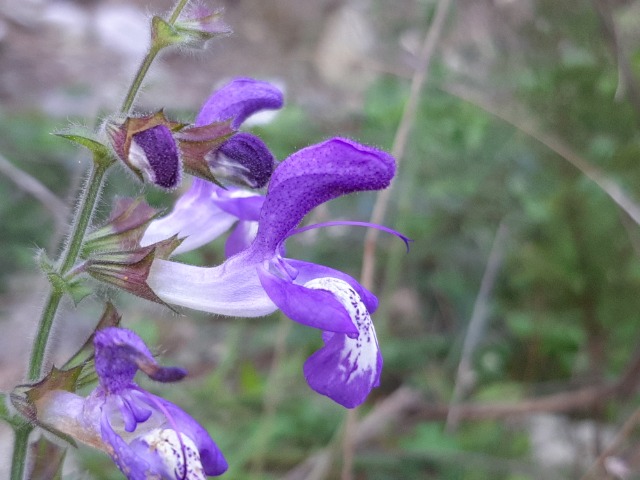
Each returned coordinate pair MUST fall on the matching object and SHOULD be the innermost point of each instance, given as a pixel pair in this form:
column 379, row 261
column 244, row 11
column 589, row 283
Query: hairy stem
column 177, row 11
column 148, row 60
column 86, row 206
column 137, row 80
column 18, row 464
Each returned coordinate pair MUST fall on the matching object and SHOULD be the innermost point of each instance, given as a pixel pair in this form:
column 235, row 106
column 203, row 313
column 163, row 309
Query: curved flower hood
column 206, row 211
column 258, row 280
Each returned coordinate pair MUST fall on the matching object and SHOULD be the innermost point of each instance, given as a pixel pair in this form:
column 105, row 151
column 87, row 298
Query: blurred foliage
column 564, row 310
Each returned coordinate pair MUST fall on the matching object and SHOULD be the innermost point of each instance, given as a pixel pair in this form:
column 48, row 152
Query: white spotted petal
column 171, row 451
column 348, row 366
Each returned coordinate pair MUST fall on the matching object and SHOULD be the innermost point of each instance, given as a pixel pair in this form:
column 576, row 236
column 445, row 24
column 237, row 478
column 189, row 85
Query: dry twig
column 36, row 189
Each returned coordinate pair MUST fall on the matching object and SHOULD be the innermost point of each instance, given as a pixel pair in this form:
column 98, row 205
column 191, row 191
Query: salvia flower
column 145, row 435
column 206, row 211
column 259, row 279
column 243, row 158
column 156, row 150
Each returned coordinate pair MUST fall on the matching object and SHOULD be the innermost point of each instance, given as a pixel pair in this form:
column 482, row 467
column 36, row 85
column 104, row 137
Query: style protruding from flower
column 145, row 435
column 259, row 279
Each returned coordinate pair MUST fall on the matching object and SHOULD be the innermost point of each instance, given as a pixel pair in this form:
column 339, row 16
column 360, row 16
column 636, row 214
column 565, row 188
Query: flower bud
column 123, row 230
column 243, row 159
column 146, row 145
column 199, row 24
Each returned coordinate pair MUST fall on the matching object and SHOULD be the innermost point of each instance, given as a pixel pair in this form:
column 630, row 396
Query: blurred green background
column 562, row 311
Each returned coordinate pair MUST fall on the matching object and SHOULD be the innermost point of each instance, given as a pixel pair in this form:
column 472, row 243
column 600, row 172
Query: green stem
column 148, row 60
column 84, row 213
column 176, row 11
column 20, row 445
column 88, row 201
column 137, row 80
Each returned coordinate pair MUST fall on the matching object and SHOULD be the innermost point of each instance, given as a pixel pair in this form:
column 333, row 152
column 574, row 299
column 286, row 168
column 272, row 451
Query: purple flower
column 206, row 211
column 259, row 279
column 244, row 158
column 156, row 149
column 146, row 436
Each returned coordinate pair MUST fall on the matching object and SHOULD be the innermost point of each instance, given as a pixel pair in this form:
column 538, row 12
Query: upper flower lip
column 306, row 179
column 315, row 175
column 239, row 99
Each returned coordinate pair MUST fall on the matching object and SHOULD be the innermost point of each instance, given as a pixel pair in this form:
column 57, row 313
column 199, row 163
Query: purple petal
column 117, row 353
column 243, row 159
column 307, row 271
column 155, row 153
column 240, row 238
column 232, row 288
column 133, row 465
column 133, row 412
column 316, row 175
column 314, row 308
column 345, row 369
column 196, row 217
column 211, row 457
column 334, row 371
column 242, row 204
column 238, row 100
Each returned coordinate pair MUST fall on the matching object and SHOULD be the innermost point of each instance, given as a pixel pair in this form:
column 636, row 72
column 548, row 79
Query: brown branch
column 477, row 324
column 610, row 187
column 407, row 403
column 402, row 135
column 626, row 76
column 36, row 189
column 622, row 435
column 382, row 200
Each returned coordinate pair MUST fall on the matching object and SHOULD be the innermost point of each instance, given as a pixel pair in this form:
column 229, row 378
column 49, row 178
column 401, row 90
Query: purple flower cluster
column 145, row 435
column 149, row 437
column 258, row 278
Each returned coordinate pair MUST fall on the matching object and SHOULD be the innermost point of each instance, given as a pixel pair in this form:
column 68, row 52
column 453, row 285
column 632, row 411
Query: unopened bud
column 146, row 145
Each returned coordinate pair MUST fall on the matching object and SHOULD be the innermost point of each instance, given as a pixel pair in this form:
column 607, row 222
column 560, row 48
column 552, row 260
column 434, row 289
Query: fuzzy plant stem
column 20, row 444
column 84, row 213
column 89, row 197
column 88, row 200
column 148, row 60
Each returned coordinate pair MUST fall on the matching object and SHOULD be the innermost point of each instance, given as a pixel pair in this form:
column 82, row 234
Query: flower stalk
column 90, row 194
column 157, row 44
column 84, row 213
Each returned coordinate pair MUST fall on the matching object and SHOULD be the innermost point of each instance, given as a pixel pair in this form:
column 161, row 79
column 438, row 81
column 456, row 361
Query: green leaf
column 101, row 153
column 163, row 34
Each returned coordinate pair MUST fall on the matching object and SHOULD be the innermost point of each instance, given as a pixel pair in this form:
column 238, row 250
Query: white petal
column 172, row 452
column 232, row 288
